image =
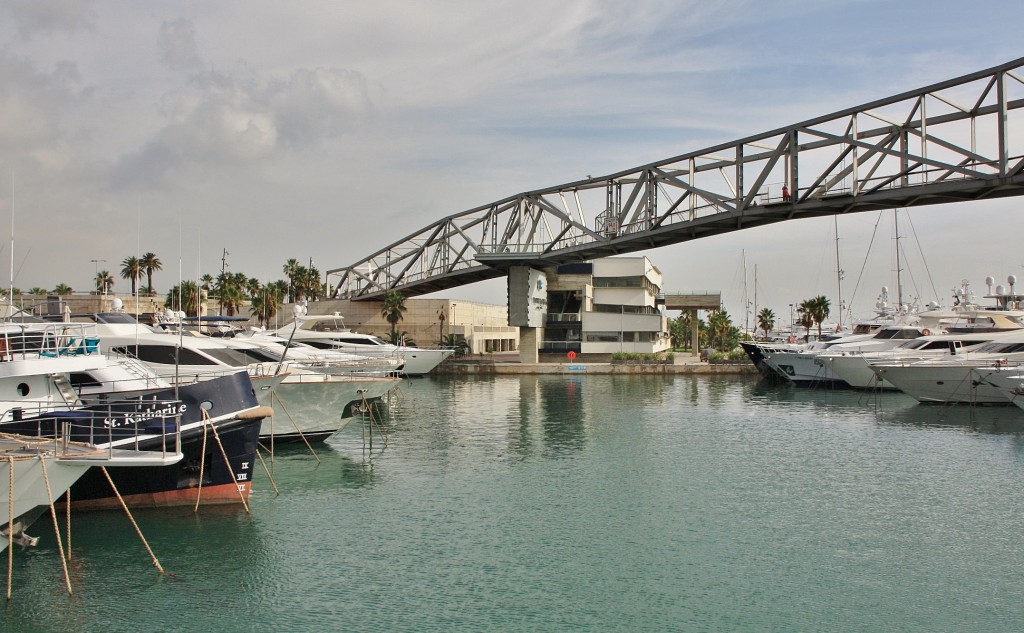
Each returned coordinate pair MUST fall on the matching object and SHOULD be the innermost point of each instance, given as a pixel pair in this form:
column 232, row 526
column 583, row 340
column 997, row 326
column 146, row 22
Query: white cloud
column 333, row 129
column 177, row 44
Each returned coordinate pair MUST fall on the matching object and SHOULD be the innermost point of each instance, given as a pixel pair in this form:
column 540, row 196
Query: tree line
column 232, row 290
column 719, row 332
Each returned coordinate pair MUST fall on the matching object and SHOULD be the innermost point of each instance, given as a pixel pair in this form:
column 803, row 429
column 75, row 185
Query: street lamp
column 96, row 269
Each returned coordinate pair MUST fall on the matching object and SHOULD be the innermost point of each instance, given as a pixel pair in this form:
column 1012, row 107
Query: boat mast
column 839, row 272
column 755, row 297
column 899, row 284
column 746, row 303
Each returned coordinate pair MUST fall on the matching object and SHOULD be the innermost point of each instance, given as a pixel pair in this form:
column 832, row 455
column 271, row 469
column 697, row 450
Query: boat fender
column 255, row 412
column 926, row 332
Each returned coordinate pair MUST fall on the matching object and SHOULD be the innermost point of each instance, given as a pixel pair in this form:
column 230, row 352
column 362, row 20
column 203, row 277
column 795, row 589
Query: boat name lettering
column 169, row 410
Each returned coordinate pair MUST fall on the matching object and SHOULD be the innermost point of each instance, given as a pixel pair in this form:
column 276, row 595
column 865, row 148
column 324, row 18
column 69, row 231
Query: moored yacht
column 959, row 379
column 805, row 367
column 184, row 357
column 854, row 367
column 330, row 332
column 49, row 444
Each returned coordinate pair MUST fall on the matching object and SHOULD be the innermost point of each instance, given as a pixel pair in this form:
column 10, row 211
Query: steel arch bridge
column 948, row 142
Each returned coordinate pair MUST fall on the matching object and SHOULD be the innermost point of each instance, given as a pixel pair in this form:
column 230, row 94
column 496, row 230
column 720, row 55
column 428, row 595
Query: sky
column 324, row 131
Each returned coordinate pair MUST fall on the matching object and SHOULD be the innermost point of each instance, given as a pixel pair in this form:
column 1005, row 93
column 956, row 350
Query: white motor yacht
column 35, row 361
column 805, row 368
column 330, row 332
column 959, row 379
column 186, row 357
column 854, row 367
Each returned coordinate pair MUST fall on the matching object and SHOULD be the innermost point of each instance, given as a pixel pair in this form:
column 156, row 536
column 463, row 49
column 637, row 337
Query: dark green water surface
column 583, row 503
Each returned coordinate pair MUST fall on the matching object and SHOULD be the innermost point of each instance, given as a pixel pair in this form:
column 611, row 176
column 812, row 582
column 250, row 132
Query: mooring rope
column 227, row 463
column 56, row 528
column 202, row 460
column 135, row 525
column 10, row 526
column 267, row 470
column 295, row 424
column 67, row 519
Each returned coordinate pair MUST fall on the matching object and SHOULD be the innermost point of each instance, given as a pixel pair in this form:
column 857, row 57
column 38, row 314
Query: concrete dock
column 509, row 364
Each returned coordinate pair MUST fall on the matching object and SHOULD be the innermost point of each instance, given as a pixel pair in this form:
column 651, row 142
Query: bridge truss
column 949, row 142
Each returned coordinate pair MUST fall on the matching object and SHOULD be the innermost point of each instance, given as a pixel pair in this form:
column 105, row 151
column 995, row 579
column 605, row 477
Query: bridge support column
column 694, row 333
column 527, row 309
column 529, row 344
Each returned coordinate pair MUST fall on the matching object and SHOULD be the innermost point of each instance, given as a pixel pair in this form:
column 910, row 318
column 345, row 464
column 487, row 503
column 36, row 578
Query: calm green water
column 598, row 503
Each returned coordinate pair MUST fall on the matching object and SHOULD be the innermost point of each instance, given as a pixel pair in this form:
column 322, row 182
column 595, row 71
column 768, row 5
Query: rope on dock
column 56, row 528
column 156, row 563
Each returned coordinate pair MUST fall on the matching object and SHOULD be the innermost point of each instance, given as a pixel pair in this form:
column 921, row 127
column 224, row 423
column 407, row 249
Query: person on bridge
column 785, row 193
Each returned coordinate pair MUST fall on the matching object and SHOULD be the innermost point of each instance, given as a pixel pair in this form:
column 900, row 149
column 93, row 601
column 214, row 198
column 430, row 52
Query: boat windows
column 258, row 355
column 328, row 326
column 81, row 379
column 163, row 355
column 232, row 357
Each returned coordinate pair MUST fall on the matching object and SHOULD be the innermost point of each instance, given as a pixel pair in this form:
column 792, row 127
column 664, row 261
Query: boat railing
column 19, row 342
column 124, row 424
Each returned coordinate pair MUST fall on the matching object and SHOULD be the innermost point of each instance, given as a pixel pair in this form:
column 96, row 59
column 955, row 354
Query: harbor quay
column 508, row 365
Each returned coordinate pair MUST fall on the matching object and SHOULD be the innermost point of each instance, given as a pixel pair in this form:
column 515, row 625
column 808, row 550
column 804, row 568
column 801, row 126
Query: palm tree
column 130, row 269
column 719, row 324
column 183, row 297
column 766, row 320
column 393, row 309
column 253, row 287
column 206, row 281
column 819, row 309
column 62, row 289
column 291, row 269
column 231, row 291
column 104, row 282
column 805, row 310
column 37, row 291
column 150, row 263
column 266, row 303
column 456, row 342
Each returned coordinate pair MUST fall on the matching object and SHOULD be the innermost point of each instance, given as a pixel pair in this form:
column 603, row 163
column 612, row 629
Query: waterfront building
column 605, row 306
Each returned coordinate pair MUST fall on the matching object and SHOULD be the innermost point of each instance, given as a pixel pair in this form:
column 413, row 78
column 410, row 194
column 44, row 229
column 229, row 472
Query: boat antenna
column 10, row 294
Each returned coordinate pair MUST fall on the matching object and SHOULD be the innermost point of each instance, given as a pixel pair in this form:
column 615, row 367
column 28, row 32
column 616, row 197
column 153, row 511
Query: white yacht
column 34, row 363
column 805, row 367
column 185, row 357
column 854, row 367
column 329, row 332
column 1010, row 384
column 959, row 379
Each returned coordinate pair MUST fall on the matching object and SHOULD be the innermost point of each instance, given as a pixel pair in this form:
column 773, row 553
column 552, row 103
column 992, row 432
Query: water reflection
column 890, row 408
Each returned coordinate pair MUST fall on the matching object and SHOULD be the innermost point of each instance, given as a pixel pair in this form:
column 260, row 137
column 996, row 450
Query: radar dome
column 1012, row 279
column 116, row 304
column 1000, row 290
column 989, row 280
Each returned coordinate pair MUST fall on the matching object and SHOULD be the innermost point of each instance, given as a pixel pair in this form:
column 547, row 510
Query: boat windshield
column 328, row 325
